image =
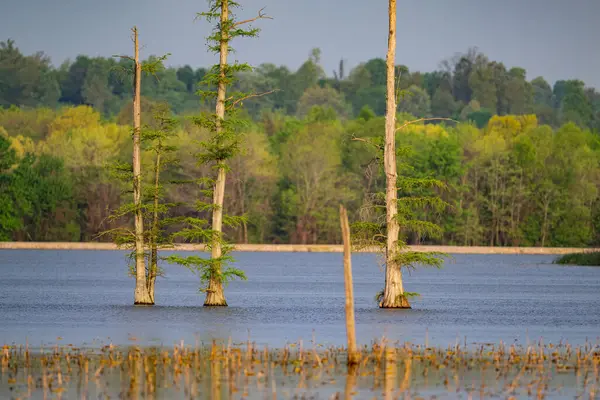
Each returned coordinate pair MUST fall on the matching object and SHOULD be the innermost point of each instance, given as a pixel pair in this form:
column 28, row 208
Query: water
column 85, row 298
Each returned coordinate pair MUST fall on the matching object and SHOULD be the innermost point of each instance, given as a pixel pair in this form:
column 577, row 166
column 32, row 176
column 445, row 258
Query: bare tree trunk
column 393, row 296
column 153, row 270
column 350, row 324
column 545, row 222
column 214, row 292
column 242, row 194
column 141, row 295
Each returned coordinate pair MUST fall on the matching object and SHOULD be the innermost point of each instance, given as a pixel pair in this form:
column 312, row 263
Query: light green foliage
column 36, row 197
column 415, row 195
column 315, row 180
column 509, row 182
column 158, row 154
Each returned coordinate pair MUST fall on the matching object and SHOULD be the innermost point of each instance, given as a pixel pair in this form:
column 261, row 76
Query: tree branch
column 354, row 138
column 251, row 96
column 424, row 119
column 260, row 15
column 124, row 57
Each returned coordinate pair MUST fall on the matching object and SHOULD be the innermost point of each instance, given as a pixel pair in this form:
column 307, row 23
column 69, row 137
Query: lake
column 85, row 298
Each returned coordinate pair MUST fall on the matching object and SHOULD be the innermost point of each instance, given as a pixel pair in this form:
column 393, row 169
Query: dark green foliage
column 26, row 80
column 32, row 81
column 480, row 117
column 589, row 258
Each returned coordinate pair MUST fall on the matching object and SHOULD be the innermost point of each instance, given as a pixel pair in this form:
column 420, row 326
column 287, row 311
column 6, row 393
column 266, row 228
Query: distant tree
column 415, row 102
column 187, row 75
column 519, row 93
column 443, row 104
column 542, row 92
column 376, row 69
column 323, row 97
column 574, row 104
column 26, row 80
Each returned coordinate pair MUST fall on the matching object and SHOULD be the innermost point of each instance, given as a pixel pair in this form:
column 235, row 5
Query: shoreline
column 298, row 248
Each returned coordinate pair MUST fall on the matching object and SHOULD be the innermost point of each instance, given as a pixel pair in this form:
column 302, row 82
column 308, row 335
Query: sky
column 557, row 39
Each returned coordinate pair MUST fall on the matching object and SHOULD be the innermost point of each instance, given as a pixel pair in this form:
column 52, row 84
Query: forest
column 519, row 158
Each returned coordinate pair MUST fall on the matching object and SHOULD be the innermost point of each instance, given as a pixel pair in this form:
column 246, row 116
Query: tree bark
column 393, row 296
column 141, row 295
column 350, row 323
column 214, row 293
column 153, row 270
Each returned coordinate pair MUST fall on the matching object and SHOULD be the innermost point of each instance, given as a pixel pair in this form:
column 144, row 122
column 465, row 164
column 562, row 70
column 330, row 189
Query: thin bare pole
column 350, row 323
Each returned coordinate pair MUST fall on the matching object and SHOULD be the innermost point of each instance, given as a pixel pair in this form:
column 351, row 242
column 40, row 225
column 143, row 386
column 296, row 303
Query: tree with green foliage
column 218, row 150
column 399, row 212
column 155, row 144
column 145, row 275
column 36, row 197
column 26, row 81
column 9, row 210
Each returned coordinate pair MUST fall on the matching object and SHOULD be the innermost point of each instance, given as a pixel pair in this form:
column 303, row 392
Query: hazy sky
column 558, row 39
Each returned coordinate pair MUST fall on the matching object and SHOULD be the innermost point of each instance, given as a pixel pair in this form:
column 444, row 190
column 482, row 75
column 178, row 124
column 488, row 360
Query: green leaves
column 209, row 268
column 412, row 259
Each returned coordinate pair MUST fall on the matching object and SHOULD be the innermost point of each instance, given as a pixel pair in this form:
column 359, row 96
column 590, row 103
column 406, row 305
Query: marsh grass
column 228, row 371
column 588, row 258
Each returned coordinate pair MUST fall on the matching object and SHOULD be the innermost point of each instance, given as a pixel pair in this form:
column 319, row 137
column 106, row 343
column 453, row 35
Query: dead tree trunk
column 153, row 270
column 393, row 295
column 350, row 323
column 141, row 295
column 214, row 293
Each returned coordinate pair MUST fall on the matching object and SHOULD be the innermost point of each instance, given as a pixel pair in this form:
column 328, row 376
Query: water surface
column 85, row 297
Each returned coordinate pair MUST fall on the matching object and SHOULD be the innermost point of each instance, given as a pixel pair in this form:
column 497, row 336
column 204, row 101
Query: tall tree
column 141, row 294
column 222, row 145
column 393, row 292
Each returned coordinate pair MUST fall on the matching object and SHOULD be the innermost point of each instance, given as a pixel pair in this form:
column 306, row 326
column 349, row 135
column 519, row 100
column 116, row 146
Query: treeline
column 521, row 165
column 468, row 86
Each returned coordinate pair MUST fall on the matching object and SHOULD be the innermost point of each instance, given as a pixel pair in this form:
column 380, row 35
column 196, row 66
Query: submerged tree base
column 143, row 303
column 141, row 297
column 215, row 304
column 215, row 296
column 399, row 302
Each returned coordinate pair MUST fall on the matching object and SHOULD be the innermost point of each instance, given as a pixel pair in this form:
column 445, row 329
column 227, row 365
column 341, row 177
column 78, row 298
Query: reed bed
column 244, row 370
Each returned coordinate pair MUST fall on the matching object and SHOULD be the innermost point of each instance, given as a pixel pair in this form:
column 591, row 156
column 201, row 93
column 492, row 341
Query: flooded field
column 302, row 371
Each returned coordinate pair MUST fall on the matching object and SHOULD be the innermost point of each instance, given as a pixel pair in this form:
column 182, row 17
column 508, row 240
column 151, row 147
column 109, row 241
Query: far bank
column 302, row 248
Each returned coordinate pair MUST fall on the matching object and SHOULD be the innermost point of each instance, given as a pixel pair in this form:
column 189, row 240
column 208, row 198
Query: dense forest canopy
column 521, row 163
